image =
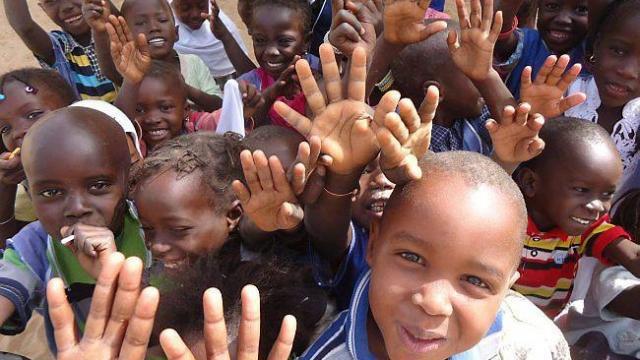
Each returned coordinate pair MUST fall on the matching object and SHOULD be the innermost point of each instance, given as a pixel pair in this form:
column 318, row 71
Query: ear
column 527, row 180
column 374, row 235
column 514, row 278
column 426, row 84
column 234, row 214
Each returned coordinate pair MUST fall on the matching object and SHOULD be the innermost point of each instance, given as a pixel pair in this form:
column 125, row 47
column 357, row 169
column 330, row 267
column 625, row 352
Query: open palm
column 342, row 124
column 515, row 139
column 130, row 56
column 404, row 21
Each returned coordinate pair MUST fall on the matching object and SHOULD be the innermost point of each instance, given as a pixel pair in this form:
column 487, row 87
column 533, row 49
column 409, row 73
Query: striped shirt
column 549, row 261
column 79, row 66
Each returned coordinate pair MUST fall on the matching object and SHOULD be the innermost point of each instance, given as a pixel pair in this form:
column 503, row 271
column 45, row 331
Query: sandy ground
column 14, row 54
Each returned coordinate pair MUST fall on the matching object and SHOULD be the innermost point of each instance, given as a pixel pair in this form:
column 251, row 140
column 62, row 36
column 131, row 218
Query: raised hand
column 96, row 14
column 120, row 319
column 342, row 124
column 546, row 93
column 217, row 26
column 472, row 49
column 404, row 136
column 11, row 171
column 515, row 139
column 130, row 56
column 285, row 85
column 268, row 200
column 92, row 246
column 404, row 21
column 215, row 331
column 354, row 25
column 252, row 99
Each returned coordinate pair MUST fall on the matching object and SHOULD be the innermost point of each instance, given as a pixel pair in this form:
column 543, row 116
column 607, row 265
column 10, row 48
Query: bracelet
column 385, row 84
column 514, row 25
column 13, row 217
column 352, row 193
column 326, row 41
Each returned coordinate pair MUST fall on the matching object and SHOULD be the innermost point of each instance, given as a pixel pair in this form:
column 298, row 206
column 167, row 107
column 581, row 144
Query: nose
column 630, row 68
column 563, row 18
column 378, row 180
column 433, row 298
column 596, row 205
column 66, row 6
column 272, row 51
column 18, row 134
column 150, row 118
column 76, row 207
column 153, row 26
column 159, row 249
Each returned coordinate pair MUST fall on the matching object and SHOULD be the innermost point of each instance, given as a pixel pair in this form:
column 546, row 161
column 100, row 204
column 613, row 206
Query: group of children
column 413, row 188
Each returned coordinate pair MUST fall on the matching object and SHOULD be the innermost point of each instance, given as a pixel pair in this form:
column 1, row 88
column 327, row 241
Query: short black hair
column 563, row 136
column 127, row 4
column 215, row 156
column 285, row 289
column 301, row 7
column 612, row 14
column 49, row 81
column 169, row 74
column 264, row 134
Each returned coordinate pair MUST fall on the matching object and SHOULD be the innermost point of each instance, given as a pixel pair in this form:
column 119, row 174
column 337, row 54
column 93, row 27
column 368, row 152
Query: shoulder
column 331, row 344
column 528, row 332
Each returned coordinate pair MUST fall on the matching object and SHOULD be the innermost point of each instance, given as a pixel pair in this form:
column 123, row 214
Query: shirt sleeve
column 21, row 286
column 608, row 283
column 206, row 82
column 602, row 236
column 505, row 67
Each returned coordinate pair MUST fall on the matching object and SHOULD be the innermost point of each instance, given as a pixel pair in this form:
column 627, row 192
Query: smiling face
column 562, row 23
column 67, row 14
column 617, row 62
column 278, row 36
column 442, row 262
column 182, row 224
column 573, row 190
column 188, row 11
column 21, row 109
column 154, row 19
column 77, row 176
column 160, row 111
column 374, row 193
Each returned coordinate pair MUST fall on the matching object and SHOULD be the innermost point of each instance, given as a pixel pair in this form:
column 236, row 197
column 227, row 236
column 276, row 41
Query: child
column 70, row 51
column 614, row 87
column 216, row 40
column 74, row 192
column 568, row 190
column 280, row 32
column 562, row 28
column 602, row 317
column 27, row 95
column 198, row 210
column 411, row 288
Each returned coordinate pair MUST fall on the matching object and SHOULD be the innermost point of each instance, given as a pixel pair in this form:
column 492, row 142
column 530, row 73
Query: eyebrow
column 488, row 269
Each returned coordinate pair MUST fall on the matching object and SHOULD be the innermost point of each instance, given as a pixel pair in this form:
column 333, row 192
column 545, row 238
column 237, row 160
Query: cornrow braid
column 49, row 81
column 216, row 157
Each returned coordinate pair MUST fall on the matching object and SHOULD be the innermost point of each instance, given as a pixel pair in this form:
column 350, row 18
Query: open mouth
column 617, row 90
column 157, row 42
column 175, row 264
column 377, row 206
column 421, row 341
column 583, row 221
column 157, row 133
column 73, row 20
column 558, row 36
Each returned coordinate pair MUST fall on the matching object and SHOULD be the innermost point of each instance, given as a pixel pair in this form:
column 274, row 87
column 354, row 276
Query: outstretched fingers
column 299, row 122
column 136, row 339
column 249, row 332
column 281, row 350
column 215, row 328
column 309, row 86
column 61, row 315
column 330, row 73
column 358, row 75
column 173, row 346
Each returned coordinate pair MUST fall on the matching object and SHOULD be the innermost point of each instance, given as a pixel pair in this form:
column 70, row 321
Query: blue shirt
column 468, row 134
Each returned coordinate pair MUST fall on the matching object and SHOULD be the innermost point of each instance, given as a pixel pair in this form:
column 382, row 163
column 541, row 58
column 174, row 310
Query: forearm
column 128, row 98
column 261, row 115
column 203, row 100
column 36, row 39
column 103, row 53
column 495, row 93
column 383, row 56
column 328, row 219
column 626, row 303
column 6, row 309
column 505, row 47
column 239, row 59
column 8, row 224
column 508, row 167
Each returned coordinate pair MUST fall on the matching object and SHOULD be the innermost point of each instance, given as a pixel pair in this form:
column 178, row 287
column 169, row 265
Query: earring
column 592, row 59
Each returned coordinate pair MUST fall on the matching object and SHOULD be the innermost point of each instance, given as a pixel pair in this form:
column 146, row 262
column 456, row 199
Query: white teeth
column 73, row 19
column 156, row 41
column 157, row 132
column 270, row 64
column 580, row 220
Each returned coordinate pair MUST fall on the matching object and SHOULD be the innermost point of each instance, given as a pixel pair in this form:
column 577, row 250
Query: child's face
column 79, row 182
column 277, row 37
column 562, row 23
column 67, row 14
column 160, row 112
column 375, row 190
column 154, row 19
column 441, row 267
column 188, row 11
column 181, row 224
column 573, row 194
column 21, row 109
column 617, row 62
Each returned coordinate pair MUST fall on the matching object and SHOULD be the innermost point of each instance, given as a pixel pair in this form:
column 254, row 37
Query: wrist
column 342, row 183
column 490, row 78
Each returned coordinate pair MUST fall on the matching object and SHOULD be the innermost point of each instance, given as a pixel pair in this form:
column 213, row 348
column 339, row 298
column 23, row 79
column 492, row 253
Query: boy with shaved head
column 77, row 163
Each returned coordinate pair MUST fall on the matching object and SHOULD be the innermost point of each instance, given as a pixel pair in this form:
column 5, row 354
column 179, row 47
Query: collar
column 557, row 232
column 358, row 342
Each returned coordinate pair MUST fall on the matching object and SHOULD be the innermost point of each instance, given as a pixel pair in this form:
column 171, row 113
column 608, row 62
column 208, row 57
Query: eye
column 99, row 186
column 412, row 257
column 475, row 281
column 139, row 110
column 181, row 230
column 163, row 20
column 258, row 40
column 617, row 50
column 5, row 129
column 608, row 194
column 582, row 10
column 166, row 107
column 581, row 190
column 50, row 193
column 551, row 6
column 35, row 114
column 284, row 42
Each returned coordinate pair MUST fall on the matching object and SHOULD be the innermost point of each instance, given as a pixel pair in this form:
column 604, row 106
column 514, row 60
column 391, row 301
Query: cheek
column 473, row 317
column 50, row 216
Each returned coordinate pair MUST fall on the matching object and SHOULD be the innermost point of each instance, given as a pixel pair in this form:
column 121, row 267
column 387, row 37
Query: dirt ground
column 14, row 54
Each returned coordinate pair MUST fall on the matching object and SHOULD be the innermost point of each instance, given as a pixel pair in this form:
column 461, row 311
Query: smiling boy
column 77, row 163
